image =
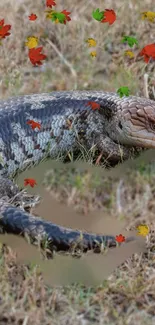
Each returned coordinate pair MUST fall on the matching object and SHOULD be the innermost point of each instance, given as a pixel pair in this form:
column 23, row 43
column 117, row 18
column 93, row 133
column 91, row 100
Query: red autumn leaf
column 148, row 52
column 35, row 56
column 120, row 238
column 66, row 13
column 34, row 124
column 109, row 16
column 4, row 29
column 50, row 3
column 29, row 181
column 33, row 17
column 93, row 105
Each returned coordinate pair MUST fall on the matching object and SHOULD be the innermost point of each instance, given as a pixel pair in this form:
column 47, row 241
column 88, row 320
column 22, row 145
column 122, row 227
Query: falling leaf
column 4, row 29
column 149, row 15
column 30, row 181
column 93, row 105
column 32, row 42
column 123, row 91
column 97, row 14
column 36, row 56
column 93, row 54
column 143, row 230
column 120, row 238
column 66, row 13
column 129, row 53
column 130, row 40
column 58, row 16
column 34, row 124
column 91, row 42
column 33, row 17
column 109, row 16
column 49, row 14
column 148, row 52
column 50, row 3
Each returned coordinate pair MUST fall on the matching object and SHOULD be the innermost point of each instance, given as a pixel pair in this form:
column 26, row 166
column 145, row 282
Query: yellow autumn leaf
column 150, row 15
column 91, row 42
column 129, row 53
column 143, row 230
column 57, row 21
column 49, row 13
column 93, row 54
column 32, row 42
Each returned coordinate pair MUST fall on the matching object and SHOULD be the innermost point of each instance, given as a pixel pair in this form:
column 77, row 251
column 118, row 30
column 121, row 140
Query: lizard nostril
column 120, row 125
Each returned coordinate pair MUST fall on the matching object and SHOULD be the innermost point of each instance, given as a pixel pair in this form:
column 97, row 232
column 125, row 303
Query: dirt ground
column 126, row 296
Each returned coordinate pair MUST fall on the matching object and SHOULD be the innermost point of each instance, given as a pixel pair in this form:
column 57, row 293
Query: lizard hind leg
column 8, row 188
column 9, row 191
column 113, row 151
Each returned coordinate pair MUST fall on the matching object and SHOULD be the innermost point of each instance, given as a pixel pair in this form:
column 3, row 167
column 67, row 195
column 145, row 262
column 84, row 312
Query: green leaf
column 97, row 14
column 123, row 91
column 131, row 40
column 60, row 16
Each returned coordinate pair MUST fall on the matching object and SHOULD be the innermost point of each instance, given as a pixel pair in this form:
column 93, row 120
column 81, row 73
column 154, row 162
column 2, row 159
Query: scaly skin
column 67, row 122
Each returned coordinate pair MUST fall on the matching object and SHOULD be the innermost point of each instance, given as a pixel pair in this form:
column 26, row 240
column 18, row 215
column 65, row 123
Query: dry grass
column 127, row 297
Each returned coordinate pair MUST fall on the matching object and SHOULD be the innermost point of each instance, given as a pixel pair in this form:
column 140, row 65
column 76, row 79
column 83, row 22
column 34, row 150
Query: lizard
column 66, row 120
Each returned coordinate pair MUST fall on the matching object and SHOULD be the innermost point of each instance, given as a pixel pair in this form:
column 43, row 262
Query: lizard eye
column 120, row 125
column 152, row 125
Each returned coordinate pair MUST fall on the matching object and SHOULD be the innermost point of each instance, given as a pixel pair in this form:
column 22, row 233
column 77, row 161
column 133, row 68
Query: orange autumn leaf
column 33, row 17
column 34, row 124
column 4, row 29
column 66, row 13
column 109, row 16
column 30, row 181
column 50, row 3
column 148, row 52
column 120, row 238
column 36, row 56
column 93, row 105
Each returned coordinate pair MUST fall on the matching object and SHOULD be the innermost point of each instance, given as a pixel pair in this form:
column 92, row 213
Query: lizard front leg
column 115, row 152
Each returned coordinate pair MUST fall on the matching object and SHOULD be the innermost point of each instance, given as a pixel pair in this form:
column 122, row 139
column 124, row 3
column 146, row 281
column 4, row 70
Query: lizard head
column 138, row 126
column 133, row 122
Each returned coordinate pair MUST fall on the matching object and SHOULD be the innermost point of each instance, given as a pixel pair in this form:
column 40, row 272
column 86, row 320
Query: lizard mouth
column 144, row 140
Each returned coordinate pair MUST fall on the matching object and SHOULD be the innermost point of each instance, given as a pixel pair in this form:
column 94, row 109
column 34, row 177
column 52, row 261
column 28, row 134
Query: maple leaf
column 149, row 15
column 49, row 14
column 91, row 42
column 30, row 181
column 143, row 230
column 57, row 21
column 93, row 54
column 33, row 17
column 35, row 56
column 58, row 17
column 34, row 124
column 123, row 91
column 4, row 29
column 148, row 52
column 32, row 42
column 129, row 53
column 109, row 16
column 131, row 40
column 50, row 3
column 97, row 14
column 66, row 13
column 120, row 238
column 93, row 105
